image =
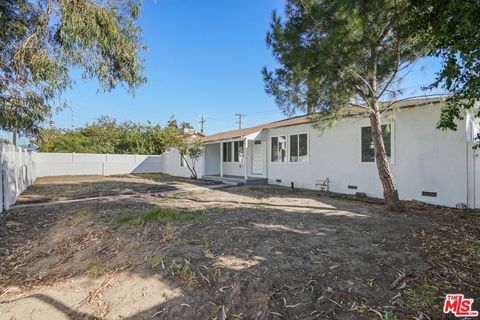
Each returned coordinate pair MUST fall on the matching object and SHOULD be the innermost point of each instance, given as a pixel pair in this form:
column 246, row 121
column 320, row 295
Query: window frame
column 227, row 155
column 236, row 153
column 285, row 136
column 390, row 159
column 298, row 148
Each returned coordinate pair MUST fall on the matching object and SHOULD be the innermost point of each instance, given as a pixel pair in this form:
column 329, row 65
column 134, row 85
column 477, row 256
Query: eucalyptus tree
column 353, row 53
column 452, row 32
column 41, row 41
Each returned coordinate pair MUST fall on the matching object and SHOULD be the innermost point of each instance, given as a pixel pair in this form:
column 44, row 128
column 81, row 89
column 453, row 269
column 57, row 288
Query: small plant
column 158, row 260
column 124, row 218
column 181, row 241
column 95, row 269
column 389, row 315
column 182, row 270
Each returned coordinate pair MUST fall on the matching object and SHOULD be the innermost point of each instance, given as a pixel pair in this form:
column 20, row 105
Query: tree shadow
column 250, row 260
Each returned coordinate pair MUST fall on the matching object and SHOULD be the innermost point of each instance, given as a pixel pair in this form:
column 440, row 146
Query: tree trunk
column 14, row 137
column 390, row 191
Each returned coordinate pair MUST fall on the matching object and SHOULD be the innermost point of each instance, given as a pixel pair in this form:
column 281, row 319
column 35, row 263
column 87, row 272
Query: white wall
column 473, row 156
column 17, row 173
column 171, row 165
column 424, row 158
column 58, row 164
column 212, row 159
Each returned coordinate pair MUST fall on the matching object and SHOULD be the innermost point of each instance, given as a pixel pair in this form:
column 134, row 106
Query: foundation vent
column 429, row 194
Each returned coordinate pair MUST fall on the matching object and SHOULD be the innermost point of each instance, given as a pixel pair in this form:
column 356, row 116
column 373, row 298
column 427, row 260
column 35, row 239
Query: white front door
column 257, row 157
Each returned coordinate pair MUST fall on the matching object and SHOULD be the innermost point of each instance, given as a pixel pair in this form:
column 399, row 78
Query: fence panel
column 18, row 171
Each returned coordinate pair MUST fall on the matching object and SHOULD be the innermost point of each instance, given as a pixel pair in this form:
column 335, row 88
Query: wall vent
column 429, row 194
column 352, row 187
column 257, row 142
column 279, row 180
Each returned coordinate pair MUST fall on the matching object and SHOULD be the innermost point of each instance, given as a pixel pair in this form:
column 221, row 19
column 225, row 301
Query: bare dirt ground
column 77, row 187
column 250, row 252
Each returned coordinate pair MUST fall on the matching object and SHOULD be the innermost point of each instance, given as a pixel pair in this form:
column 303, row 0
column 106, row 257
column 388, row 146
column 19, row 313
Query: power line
column 240, row 116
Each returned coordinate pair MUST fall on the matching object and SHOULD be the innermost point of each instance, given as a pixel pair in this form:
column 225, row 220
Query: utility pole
column 240, row 116
column 202, row 122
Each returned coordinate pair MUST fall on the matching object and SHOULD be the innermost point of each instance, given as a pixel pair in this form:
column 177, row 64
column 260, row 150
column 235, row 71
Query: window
column 368, row 153
column 299, row 148
column 279, row 149
column 182, row 159
column 227, row 152
column 238, row 151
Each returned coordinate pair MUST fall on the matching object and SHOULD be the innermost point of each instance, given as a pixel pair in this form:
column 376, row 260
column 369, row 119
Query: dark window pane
column 229, row 152
column 235, row 151
column 387, row 139
column 274, row 149
column 240, row 151
column 368, row 153
column 282, row 146
column 225, row 152
column 302, row 148
column 294, row 148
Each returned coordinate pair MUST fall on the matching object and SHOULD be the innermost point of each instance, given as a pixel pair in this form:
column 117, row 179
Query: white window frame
column 242, row 159
column 226, row 153
column 391, row 159
column 286, row 149
column 289, row 147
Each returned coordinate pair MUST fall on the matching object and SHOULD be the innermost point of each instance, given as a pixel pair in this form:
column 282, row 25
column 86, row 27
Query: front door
column 257, row 156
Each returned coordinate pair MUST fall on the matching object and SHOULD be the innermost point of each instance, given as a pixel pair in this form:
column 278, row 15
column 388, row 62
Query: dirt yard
column 250, row 252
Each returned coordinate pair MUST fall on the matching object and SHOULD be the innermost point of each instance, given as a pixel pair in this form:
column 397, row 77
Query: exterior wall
column 57, row 164
column 423, row 158
column 233, row 168
column 212, row 159
column 473, row 196
column 171, row 165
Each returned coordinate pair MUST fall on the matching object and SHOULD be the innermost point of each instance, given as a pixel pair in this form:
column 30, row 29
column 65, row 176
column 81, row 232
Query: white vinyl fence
column 61, row 164
column 19, row 167
column 17, row 172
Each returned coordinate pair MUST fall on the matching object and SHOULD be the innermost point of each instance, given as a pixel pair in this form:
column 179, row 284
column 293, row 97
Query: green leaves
column 452, row 32
column 333, row 52
column 41, row 41
column 106, row 135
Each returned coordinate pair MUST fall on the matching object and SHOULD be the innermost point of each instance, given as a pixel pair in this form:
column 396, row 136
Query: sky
column 204, row 57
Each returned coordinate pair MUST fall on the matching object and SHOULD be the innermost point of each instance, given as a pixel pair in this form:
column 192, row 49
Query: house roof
column 236, row 134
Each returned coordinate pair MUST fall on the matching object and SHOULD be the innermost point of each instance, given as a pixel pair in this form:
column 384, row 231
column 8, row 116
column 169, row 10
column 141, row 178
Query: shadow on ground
column 252, row 252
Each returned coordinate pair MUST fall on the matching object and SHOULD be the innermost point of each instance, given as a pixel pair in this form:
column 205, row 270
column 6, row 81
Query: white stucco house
column 430, row 165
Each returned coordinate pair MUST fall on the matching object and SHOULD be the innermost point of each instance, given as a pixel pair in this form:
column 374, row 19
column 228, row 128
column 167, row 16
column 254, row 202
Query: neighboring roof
column 235, row 134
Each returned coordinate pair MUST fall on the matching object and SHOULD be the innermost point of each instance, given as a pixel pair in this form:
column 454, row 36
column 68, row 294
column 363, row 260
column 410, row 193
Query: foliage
column 451, row 30
column 344, row 45
column 190, row 149
column 106, row 135
column 348, row 53
column 40, row 41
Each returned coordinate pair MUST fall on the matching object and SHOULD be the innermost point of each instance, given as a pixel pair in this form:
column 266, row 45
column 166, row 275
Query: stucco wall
column 423, row 158
column 171, row 165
